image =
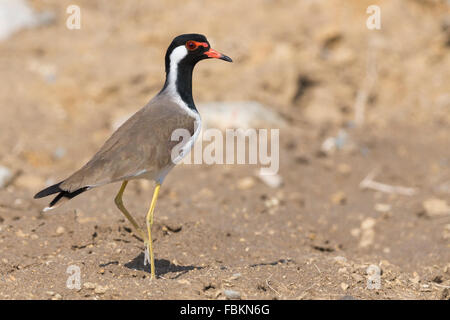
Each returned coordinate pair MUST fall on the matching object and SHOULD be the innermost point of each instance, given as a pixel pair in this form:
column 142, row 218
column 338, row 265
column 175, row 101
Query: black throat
column 183, row 81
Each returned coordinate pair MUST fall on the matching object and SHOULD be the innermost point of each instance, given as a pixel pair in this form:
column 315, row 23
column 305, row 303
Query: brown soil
column 315, row 236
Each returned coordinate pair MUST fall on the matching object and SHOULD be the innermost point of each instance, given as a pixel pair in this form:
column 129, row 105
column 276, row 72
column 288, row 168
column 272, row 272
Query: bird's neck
column 179, row 82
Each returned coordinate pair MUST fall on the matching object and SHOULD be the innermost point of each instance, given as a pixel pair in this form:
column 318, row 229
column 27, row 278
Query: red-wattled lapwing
column 142, row 146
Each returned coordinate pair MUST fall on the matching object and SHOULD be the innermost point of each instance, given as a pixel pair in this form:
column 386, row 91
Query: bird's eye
column 191, row 45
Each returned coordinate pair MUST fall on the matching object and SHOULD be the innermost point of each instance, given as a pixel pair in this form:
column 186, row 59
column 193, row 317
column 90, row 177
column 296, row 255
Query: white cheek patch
column 175, row 57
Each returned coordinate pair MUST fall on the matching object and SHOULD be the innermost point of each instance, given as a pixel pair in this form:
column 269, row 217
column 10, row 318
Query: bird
column 142, row 147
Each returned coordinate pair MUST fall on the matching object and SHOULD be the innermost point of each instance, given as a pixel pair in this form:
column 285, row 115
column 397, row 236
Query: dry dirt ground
column 219, row 227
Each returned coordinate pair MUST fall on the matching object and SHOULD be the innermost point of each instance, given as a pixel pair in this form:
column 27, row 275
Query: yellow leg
column 149, row 220
column 119, row 204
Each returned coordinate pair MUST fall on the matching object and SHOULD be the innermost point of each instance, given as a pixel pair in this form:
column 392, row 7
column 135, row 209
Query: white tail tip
column 47, row 209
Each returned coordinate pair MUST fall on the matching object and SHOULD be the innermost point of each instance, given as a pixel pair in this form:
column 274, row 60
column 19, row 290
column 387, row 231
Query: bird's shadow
column 162, row 266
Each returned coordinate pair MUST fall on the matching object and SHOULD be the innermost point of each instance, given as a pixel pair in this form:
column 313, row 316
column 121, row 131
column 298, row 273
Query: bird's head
column 189, row 49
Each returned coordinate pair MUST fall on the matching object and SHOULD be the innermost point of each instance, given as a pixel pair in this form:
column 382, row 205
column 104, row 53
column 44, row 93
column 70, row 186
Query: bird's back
column 141, row 145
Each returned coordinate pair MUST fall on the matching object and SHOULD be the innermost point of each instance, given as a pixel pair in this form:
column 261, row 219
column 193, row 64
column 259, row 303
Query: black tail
column 48, row 191
column 61, row 197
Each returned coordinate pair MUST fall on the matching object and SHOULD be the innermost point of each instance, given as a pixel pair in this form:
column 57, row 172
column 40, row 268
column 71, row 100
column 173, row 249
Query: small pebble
column 272, row 202
column 436, row 207
column 344, row 286
column 341, row 260
column 231, row 294
column 415, row 279
column 89, row 285
column 21, row 234
column 339, row 198
column 246, row 183
column 344, row 169
column 184, row 281
column 57, row 296
column 368, row 223
column 5, row 176
column 382, row 207
column 328, row 146
column 272, row 180
column 100, row 289
column 235, row 276
column 342, row 270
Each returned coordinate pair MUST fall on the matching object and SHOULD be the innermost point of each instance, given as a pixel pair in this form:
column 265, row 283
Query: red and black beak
column 211, row 53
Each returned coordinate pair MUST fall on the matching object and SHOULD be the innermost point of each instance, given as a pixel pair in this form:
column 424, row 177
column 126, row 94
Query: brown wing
column 142, row 143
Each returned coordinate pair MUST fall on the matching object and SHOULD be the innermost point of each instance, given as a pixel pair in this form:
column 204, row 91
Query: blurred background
column 364, row 148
